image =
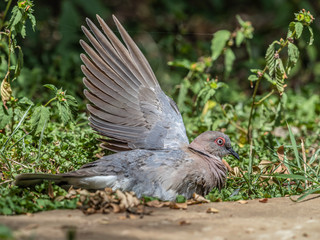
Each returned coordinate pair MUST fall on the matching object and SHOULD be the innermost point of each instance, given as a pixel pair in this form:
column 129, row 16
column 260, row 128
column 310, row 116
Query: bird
column 142, row 125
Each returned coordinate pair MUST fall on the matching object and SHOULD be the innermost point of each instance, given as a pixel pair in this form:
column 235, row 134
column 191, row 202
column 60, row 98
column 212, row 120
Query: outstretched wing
column 128, row 105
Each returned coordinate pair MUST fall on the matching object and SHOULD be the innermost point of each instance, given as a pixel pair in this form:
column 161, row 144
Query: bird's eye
column 220, row 141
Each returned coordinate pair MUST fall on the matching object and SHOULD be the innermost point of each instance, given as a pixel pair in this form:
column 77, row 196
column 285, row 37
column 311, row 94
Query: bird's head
column 213, row 143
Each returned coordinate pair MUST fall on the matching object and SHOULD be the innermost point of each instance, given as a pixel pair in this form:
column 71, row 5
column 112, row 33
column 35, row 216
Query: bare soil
column 278, row 218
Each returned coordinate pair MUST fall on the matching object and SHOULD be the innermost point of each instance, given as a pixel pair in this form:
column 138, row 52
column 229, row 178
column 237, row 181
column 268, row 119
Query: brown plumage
column 142, row 124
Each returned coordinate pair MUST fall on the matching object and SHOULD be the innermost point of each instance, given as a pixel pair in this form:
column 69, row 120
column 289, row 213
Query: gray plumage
column 142, row 124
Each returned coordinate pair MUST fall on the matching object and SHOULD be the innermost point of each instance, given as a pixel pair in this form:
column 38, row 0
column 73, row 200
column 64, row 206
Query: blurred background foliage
column 165, row 30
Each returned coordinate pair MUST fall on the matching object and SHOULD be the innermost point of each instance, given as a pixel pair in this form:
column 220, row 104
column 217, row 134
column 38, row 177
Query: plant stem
column 265, row 97
column 12, row 119
column 249, row 130
column 232, row 122
column 52, row 99
column 5, row 13
column 304, row 162
column 249, row 133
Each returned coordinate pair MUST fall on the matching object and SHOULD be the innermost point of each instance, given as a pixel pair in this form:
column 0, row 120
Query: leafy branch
column 66, row 104
column 275, row 71
column 16, row 25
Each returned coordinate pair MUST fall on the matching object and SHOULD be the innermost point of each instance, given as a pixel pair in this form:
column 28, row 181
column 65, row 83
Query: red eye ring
column 220, row 141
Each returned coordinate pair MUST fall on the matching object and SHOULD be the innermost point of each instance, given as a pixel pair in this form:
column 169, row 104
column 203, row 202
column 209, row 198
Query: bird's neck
column 215, row 164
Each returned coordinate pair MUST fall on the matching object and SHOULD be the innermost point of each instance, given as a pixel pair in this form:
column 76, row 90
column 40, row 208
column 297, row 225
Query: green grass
column 67, row 147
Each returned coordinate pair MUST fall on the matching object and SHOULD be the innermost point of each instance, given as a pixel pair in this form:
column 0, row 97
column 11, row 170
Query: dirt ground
column 278, row 218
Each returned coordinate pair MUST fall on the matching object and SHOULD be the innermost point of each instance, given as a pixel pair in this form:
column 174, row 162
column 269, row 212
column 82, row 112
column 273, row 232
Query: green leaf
column 22, row 31
column 180, row 63
column 253, row 78
column 240, row 21
column 291, row 176
column 73, row 105
column 41, row 137
column 291, row 29
column 311, row 35
column 294, row 146
column 25, row 100
column 6, row 116
column 16, row 128
column 40, row 117
column 299, row 28
column 293, row 53
column 270, row 58
column 219, row 41
column 180, row 199
column 229, row 58
column 64, row 112
column 268, row 78
column 52, row 87
column 16, row 17
column 19, row 63
column 255, row 70
column 205, row 94
column 68, row 108
column 33, row 21
column 307, row 193
column 239, row 38
column 280, row 75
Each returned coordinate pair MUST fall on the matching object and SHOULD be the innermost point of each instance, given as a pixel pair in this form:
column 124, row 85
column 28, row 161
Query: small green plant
column 12, row 61
column 276, row 71
column 16, row 200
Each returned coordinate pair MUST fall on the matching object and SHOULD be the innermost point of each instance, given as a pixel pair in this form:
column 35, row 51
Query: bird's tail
column 32, row 179
column 66, row 180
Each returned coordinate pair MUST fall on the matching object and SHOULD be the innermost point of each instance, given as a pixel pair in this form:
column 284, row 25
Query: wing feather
column 127, row 104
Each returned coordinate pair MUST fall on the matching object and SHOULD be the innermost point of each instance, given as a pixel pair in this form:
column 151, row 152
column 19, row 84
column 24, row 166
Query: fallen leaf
column 131, row 216
column 184, row 222
column 281, row 168
column 105, row 210
column 227, row 165
column 122, row 217
column 99, row 155
column 212, row 210
column 242, row 201
column 155, row 203
column 200, row 199
column 115, row 207
column 139, row 210
column 104, row 221
column 175, row 205
column 263, row 200
column 59, row 198
column 131, row 199
column 89, row 211
column 280, row 152
column 123, row 200
column 236, row 172
column 50, row 191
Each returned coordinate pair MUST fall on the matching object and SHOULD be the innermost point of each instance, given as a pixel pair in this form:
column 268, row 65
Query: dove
column 141, row 124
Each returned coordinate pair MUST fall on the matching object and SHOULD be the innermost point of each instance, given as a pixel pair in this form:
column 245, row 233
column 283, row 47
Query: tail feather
column 32, row 179
column 67, row 180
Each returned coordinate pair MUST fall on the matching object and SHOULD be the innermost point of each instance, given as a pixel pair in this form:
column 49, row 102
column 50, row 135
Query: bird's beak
column 233, row 153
